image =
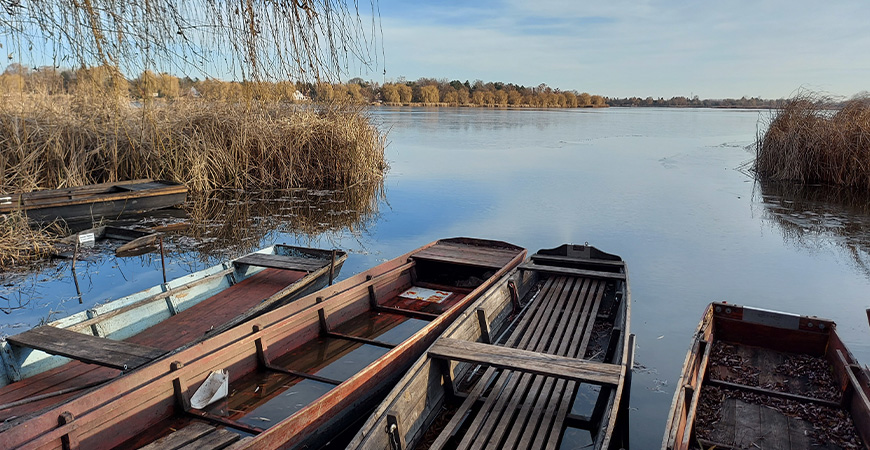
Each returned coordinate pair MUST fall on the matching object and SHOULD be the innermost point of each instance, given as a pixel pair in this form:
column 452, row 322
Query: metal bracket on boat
column 397, row 440
column 484, row 326
column 69, row 441
column 179, row 388
column 515, row 295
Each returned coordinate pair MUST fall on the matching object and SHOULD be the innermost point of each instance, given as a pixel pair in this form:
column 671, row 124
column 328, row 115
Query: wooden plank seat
column 554, row 270
column 197, row 435
column 282, row 262
column 87, row 348
column 468, row 255
column 526, row 361
column 529, row 407
column 539, row 258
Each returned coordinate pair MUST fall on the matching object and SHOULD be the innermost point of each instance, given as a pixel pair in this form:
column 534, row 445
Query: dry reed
column 21, row 244
column 57, row 141
column 809, row 142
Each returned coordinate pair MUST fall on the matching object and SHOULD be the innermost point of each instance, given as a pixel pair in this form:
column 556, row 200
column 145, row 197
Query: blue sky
column 619, row 48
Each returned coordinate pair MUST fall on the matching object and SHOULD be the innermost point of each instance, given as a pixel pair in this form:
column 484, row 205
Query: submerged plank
column 555, row 270
column 89, row 349
column 282, row 262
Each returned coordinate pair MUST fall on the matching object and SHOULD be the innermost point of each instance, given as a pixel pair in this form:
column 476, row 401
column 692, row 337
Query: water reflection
column 208, row 230
column 817, row 217
column 231, row 223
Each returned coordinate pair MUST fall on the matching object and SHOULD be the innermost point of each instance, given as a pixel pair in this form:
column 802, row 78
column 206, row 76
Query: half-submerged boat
column 96, row 201
column 755, row 378
column 51, row 364
column 297, row 375
column 542, row 360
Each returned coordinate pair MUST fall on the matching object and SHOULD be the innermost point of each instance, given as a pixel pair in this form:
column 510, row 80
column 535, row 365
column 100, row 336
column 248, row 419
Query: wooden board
column 554, row 270
column 537, row 257
column 468, row 255
column 282, row 262
column 89, row 349
column 526, row 361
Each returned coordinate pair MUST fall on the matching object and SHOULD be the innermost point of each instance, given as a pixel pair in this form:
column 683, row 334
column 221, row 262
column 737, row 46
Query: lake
column 667, row 189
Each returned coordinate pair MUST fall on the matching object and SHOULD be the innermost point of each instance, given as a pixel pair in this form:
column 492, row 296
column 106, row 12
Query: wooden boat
column 297, row 374
column 542, row 360
column 37, row 370
column 136, row 241
column 755, row 378
column 95, row 201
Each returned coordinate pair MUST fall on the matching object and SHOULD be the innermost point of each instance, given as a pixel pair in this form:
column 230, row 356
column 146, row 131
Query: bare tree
column 254, row 39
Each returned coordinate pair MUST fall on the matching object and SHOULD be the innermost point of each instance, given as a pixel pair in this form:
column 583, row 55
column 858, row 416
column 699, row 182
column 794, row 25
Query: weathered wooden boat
column 95, row 201
column 136, row 241
column 297, row 374
column 56, row 362
column 755, row 378
column 542, row 360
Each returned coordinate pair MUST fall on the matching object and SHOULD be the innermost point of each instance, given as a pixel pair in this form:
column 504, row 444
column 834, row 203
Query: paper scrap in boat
column 426, row 295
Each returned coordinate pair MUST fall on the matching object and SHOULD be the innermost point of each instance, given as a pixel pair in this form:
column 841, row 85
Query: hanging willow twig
column 252, row 39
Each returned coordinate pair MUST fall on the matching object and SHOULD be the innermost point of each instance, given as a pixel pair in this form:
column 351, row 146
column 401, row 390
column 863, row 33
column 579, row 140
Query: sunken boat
column 51, row 364
column 95, row 201
column 755, row 378
column 294, row 377
column 542, row 360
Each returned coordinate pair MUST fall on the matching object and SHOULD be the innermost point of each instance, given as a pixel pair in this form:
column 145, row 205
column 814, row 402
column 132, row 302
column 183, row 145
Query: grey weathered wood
column 282, row 262
column 526, row 361
column 776, row 425
column 748, row 429
column 466, row 255
column 537, row 257
column 554, row 270
column 86, row 348
column 221, row 438
column 181, row 437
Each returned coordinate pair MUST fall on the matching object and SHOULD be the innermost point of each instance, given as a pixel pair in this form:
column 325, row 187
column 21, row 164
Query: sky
column 712, row 49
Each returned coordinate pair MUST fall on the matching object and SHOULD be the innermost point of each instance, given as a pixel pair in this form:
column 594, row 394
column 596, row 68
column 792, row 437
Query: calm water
column 663, row 188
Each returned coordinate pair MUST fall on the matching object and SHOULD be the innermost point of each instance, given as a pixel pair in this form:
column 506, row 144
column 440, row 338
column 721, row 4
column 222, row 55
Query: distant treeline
column 695, row 102
column 424, row 91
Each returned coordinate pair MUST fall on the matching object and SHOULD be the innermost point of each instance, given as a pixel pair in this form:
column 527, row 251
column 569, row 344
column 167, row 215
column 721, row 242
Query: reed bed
column 809, row 141
column 58, row 140
column 54, row 141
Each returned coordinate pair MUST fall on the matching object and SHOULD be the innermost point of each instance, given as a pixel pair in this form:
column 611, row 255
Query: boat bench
column 197, row 435
column 556, row 270
column 86, row 348
column 282, row 262
column 526, row 361
column 466, row 255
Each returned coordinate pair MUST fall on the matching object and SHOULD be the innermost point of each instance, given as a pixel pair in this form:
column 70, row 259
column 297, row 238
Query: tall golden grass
column 809, row 142
column 55, row 141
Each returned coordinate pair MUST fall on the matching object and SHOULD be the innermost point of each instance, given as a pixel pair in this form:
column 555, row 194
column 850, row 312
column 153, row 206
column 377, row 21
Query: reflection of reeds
column 806, row 142
column 816, row 216
column 52, row 141
column 231, row 223
column 21, row 244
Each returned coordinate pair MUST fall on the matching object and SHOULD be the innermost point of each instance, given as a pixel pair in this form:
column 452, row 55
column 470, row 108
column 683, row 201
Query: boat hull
column 783, row 369
column 134, row 408
column 108, row 200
